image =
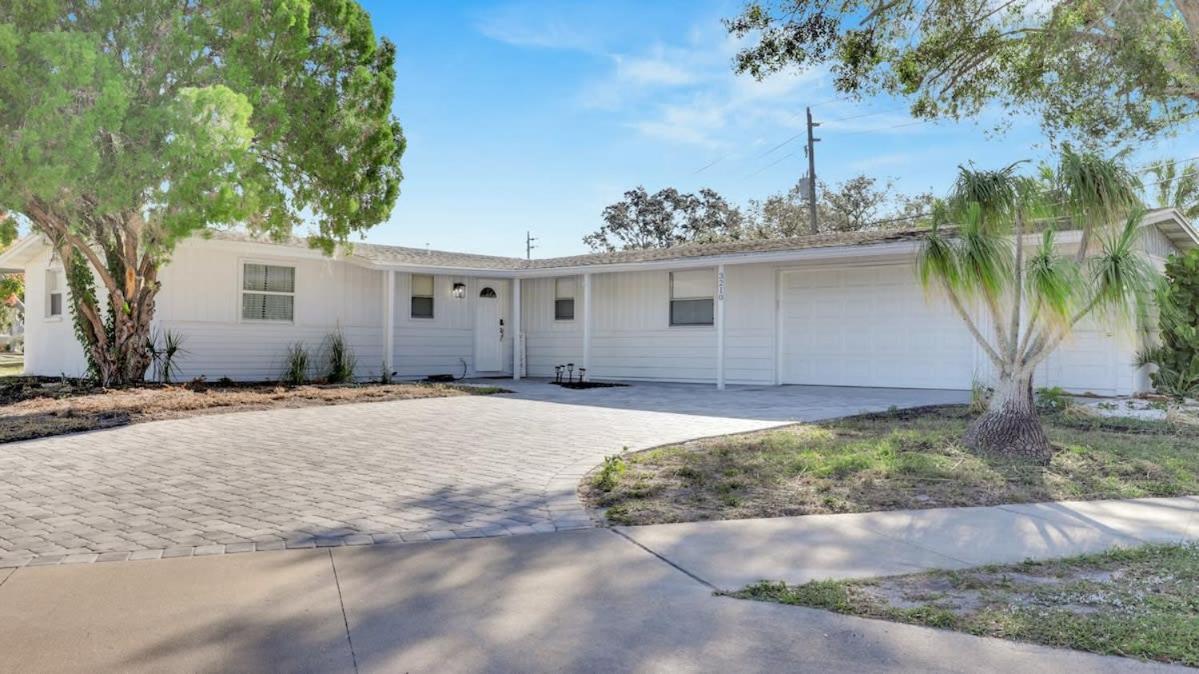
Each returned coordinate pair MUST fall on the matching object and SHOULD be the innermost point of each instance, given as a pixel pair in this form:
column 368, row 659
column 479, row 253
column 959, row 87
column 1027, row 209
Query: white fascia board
column 18, row 255
column 439, row 270
column 1175, row 226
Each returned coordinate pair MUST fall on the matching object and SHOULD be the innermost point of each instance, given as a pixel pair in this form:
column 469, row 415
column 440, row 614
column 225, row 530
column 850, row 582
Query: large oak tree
column 129, row 125
column 1093, row 68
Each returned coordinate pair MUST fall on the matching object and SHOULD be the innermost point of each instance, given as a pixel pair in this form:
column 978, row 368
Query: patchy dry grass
column 33, row 408
column 1141, row 602
column 11, row 365
column 888, row 462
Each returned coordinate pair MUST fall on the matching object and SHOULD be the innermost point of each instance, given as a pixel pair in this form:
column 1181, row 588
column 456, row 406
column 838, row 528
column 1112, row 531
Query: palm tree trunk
column 1010, row 426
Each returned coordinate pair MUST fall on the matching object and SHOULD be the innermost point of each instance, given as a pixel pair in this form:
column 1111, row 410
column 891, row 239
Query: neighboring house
column 829, row 309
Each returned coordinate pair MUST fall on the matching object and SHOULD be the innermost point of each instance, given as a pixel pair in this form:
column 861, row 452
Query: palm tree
column 1033, row 295
column 1177, row 189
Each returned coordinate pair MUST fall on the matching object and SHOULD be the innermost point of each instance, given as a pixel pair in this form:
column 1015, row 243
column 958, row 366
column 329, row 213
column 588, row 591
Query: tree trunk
column 115, row 341
column 1010, row 426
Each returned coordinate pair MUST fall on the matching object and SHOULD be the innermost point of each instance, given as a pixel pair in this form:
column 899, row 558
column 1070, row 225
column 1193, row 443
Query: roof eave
column 1175, row 226
column 17, row 256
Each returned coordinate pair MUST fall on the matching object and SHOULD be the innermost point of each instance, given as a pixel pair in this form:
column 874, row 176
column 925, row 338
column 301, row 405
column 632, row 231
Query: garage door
column 870, row 326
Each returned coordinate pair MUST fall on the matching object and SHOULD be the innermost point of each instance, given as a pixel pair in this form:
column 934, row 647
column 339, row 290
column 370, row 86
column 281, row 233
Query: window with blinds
column 422, row 296
column 268, row 292
column 691, row 297
column 53, row 294
column 564, row 299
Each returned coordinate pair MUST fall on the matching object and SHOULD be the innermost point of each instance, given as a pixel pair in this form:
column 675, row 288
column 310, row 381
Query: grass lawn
column 900, row 460
column 33, row 407
column 1141, row 602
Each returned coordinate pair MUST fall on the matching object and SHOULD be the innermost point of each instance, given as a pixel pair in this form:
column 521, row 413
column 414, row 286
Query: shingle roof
column 439, row 258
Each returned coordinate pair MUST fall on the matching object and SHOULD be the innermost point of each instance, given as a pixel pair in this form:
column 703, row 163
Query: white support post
column 517, row 351
column 389, row 323
column 720, row 327
column 587, row 322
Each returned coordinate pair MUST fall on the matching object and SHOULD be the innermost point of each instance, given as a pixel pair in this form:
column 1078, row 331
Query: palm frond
column 1097, row 190
column 984, row 256
column 1052, row 281
column 995, row 193
column 937, row 261
column 1123, row 281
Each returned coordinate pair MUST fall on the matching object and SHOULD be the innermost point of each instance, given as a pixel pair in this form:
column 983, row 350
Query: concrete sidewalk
column 731, row 554
column 590, row 600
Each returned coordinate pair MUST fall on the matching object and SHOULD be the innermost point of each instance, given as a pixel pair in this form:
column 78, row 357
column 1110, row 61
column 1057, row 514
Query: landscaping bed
column 900, row 460
column 1141, row 602
column 32, row 407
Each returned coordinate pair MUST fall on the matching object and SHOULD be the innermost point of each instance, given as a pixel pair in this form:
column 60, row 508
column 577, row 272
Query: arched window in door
column 488, row 293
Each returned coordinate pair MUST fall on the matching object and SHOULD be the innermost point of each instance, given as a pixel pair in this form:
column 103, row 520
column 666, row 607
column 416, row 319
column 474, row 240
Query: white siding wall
column 445, row 343
column 201, row 300
column 50, row 345
column 631, row 333
column 549, row 342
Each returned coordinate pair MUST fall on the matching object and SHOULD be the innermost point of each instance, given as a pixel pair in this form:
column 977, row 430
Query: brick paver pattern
column 385, row 472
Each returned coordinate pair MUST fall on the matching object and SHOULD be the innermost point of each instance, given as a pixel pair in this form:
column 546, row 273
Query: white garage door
column 870, row 326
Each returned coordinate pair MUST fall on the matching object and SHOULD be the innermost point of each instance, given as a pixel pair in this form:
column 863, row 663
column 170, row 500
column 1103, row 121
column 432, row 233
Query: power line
column 773, row 163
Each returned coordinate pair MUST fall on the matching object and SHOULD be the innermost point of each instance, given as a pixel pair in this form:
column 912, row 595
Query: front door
column 489, row 327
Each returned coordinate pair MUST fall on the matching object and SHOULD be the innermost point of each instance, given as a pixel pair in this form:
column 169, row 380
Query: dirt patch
column 33, row 407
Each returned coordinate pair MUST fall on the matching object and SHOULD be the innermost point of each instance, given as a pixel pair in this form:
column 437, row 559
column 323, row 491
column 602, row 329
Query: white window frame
column 241, row 289
column 60, row 280
column 670, row 300
column 432, row 296
column 573, row 298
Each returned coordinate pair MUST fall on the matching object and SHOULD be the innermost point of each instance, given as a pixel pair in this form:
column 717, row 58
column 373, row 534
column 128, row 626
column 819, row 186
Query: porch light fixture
column 459, row 291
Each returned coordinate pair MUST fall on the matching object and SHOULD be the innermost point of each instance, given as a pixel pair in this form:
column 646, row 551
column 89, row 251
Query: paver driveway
column 356, row 474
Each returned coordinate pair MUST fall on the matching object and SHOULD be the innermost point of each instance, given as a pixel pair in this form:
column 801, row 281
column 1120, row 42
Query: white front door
column 489, row 327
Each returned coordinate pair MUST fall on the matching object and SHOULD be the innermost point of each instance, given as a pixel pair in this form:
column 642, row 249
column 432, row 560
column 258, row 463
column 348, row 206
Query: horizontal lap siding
column 201, row 301
column 259, row 352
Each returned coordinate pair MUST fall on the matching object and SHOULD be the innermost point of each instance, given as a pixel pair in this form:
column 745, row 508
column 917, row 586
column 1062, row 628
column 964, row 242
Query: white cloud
column 653, row 71
column 529, row 24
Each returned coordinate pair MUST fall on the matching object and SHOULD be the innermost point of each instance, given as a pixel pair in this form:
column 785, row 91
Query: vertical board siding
column 632, row 337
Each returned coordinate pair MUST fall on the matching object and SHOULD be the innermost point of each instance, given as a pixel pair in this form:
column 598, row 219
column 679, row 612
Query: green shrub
column 339, row 359
column 610, row 472
column 1176, row 354
column 164, row 348
column 1054, row 399
column 980, row 397
column 295, row 371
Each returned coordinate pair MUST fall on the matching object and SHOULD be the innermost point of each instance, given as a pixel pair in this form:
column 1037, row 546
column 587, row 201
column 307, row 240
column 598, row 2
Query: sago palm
column 1079, row 227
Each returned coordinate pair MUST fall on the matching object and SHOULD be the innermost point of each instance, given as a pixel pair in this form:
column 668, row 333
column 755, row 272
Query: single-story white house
column 829, row 309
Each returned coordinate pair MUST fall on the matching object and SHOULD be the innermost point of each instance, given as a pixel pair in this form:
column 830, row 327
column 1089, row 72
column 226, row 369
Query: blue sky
column 533, row 115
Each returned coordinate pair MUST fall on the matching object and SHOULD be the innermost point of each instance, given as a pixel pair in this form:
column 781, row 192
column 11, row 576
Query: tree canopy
column 127, row 126
column 670, row 218
column 1095, row 69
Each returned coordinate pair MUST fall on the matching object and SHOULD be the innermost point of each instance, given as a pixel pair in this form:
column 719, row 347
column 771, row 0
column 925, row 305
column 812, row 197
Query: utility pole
column 811, row 152
column 529, row 239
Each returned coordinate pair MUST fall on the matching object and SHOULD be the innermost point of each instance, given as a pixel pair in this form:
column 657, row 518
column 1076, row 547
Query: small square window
column 422, row 296
column 691, row 298
column 564, row 299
